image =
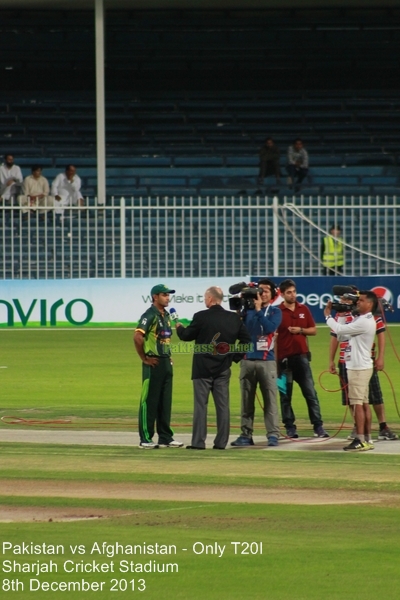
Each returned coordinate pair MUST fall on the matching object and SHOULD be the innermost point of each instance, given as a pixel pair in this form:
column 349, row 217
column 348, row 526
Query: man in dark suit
column 215, row 332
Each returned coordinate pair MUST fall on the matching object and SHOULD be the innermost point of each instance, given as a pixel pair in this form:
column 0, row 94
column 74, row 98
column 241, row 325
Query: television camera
column 244, row 295
column 351, row 294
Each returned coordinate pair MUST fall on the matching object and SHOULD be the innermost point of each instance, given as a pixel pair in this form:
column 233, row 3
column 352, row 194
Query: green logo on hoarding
column 45, row 317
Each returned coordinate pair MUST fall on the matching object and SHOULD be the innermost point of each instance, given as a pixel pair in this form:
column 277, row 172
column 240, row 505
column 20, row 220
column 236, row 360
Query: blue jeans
column 298, row 369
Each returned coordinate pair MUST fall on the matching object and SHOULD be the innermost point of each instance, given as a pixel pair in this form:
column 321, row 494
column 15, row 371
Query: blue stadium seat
column 379, row 180
column 343, row 190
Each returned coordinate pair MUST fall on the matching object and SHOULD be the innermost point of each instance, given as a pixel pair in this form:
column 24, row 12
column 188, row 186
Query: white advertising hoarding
column 96, row 302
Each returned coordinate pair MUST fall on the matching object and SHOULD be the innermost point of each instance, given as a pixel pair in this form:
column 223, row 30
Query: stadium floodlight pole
column 100, row 103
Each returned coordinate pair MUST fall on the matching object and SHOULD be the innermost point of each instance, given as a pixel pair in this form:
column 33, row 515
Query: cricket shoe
column 148, row 446
column 273, row 440
column 358, row 446
column 243, row 441
column 320, row 432
column 172, row 444
column 387, row 434
column 291, row 432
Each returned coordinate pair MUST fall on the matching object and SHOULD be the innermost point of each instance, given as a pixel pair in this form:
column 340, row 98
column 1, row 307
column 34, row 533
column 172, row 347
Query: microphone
column 173, row 314
column 342, row 290
column 236, row 288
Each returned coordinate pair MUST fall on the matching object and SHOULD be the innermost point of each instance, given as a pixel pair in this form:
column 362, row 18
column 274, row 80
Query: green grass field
column 96, row 376
column 344, row 544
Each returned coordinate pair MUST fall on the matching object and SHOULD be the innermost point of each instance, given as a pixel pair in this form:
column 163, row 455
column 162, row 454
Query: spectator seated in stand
column 35, row 194
column 297, row 167
column 10, row 180
column 269, row 162
column 10, row 184
column 66, row 190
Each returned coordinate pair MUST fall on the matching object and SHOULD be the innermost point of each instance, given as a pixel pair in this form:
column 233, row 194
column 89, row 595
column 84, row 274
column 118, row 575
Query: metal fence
column 199, row 237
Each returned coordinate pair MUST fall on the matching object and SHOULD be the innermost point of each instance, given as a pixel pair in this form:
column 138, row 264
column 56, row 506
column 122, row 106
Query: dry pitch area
column 175, row 492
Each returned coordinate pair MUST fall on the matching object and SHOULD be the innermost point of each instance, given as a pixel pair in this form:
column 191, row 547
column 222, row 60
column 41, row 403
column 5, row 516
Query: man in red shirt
column 293, row 359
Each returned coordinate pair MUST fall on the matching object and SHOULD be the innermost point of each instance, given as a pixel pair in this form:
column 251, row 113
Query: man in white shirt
column 66, row 190
column 297, row 166
column 359, row 335
column 10, row 180
column 35, row 193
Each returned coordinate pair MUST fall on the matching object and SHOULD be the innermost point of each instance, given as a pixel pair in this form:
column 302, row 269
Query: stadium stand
column 219, row 151
column 191, row 97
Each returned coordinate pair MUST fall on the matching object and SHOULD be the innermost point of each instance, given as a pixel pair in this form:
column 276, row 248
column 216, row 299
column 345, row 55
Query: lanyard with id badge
column 262, row 341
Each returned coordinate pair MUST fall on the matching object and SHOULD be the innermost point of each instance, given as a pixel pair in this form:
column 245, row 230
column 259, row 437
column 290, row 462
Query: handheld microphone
column 173, row 314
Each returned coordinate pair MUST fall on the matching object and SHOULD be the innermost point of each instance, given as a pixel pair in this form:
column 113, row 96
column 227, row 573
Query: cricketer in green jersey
column 152, row 339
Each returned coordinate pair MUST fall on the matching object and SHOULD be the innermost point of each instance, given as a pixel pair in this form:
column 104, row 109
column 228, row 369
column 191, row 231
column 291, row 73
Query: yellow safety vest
column 333, row 253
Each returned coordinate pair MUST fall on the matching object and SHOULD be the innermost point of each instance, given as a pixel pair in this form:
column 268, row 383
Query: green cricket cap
column 161, row 288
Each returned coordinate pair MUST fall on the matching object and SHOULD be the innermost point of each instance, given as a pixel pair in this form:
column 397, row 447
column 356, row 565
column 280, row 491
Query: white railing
column 199, row 237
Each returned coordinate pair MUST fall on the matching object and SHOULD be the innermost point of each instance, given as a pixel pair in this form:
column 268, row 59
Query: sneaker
column 242, row 440
column 320, row 432
column 353, row 434
column 358, row 446
column 194, row 448
column 172, row 444
column 273, row 440
column 370, row 443
column 291, row 432
column 387, row 434
column 148, row 445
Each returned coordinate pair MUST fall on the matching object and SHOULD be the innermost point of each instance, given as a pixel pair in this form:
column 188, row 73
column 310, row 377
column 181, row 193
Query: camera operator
column 359, row 335
column 375, row 396
column 259, row 366
column 294, row 360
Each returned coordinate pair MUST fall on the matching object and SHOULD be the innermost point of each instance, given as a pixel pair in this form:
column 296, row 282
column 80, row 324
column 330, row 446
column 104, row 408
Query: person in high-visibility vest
column 332, row 252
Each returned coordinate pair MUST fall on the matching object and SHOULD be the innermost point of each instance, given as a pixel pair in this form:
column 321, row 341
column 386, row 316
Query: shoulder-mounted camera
column 246, row 293
column 351, row 294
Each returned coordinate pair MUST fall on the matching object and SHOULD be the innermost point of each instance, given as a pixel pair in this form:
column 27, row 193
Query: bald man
column 215, row 332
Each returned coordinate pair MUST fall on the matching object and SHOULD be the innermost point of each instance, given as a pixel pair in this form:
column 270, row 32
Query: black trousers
column 156, row 402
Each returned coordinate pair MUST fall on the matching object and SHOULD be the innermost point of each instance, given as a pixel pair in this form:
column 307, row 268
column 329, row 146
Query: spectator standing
column 258, row 367
column 152, row 340
column 214, row 331
column 359, row 335
column 269, row 162
column 294, row 360
column 332, row 252
column 297, row 167
column 35, row 193
column 66, row 189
